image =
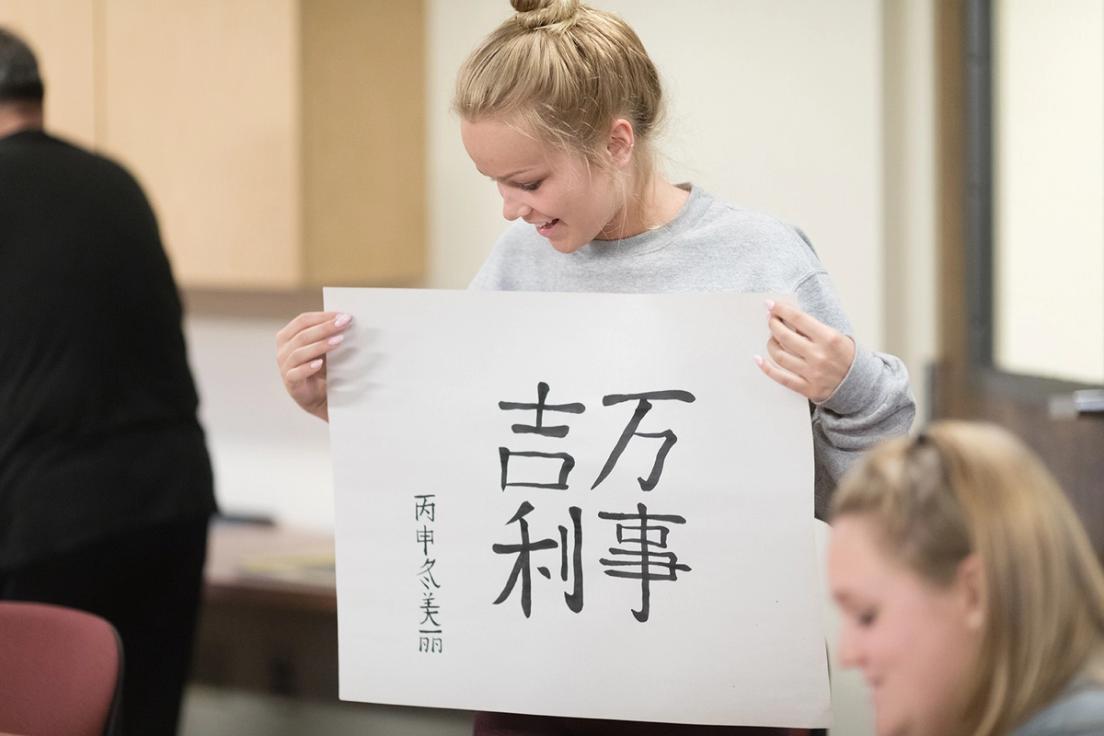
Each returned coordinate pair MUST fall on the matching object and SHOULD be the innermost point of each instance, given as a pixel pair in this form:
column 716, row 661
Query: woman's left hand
column 806, row 355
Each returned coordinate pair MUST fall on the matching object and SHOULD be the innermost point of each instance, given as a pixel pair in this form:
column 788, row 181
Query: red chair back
column 60, row 671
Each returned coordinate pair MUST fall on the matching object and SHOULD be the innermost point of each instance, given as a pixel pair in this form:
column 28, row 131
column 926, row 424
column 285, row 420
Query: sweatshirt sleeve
column 872, row 403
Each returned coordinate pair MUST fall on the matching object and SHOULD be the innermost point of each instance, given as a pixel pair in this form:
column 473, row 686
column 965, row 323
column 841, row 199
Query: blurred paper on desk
column 298, row 569
column 588, row 505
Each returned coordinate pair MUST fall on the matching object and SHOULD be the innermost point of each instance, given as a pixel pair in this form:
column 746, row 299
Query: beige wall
column 1048, row 197
column 909, row 194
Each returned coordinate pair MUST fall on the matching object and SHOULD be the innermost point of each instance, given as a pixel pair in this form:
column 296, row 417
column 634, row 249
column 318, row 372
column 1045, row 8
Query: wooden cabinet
column 281, row 141
column 266, row 624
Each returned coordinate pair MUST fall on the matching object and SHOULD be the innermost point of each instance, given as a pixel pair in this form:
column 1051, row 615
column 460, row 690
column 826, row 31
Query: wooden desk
column 268, row 622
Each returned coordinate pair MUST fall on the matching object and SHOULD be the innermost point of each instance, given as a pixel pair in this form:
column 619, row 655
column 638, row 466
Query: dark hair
column 19, row 77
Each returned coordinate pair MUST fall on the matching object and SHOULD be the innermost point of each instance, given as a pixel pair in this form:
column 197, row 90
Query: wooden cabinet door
column 281, row 142
column 200, row 99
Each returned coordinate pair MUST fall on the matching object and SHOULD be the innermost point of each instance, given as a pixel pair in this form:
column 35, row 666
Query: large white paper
column 732, row 633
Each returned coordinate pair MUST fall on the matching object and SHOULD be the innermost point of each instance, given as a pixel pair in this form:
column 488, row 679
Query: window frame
column 978, row 246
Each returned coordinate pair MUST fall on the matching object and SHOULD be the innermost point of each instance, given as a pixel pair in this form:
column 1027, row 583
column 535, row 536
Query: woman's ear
column 622, row 138
column 970, row 582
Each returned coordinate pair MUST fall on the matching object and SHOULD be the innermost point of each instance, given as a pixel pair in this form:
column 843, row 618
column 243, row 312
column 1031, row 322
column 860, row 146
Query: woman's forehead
column 500, row 137
column 501, row 149
column 857, row 552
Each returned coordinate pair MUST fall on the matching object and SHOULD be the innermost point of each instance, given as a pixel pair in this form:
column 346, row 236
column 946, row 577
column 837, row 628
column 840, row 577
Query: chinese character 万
column 643, row 406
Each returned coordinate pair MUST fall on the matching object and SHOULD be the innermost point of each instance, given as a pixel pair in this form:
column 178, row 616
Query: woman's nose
column 512, row 209
column 848, row 650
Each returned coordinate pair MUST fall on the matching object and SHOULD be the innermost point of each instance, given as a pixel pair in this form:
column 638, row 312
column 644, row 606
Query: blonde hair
column 565, row 72
column 965, row 488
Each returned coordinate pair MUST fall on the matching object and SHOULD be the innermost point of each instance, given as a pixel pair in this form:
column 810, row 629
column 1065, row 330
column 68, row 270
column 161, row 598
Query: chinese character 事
column 644, row 557
column 641, row 536
column 567, row 462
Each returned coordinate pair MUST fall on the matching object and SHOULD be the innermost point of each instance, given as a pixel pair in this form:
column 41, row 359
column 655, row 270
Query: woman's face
column 914, row 642
column 567, row 201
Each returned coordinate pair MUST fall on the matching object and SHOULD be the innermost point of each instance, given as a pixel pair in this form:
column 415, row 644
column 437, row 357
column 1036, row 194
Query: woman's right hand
column 300, row 349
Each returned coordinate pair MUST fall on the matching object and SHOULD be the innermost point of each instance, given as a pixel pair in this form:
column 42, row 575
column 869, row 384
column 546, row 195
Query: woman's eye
column 867, row 618
column 530, row 187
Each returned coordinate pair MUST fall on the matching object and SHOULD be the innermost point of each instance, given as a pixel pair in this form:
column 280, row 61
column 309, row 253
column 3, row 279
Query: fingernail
column 758, row 360
column 336, row 339
column 316, row 363
column 770, row 305
column 342, row 320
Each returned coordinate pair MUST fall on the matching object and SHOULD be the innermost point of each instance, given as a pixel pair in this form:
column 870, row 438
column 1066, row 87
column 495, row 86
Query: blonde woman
column 559, row 107
column 971, row 597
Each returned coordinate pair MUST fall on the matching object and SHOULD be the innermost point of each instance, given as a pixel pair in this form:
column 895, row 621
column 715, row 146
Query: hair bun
column 537, row 14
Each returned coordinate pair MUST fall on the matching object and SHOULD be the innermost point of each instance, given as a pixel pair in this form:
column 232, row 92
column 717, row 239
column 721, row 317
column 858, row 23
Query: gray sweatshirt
column 1079, row 711
column 713, row 246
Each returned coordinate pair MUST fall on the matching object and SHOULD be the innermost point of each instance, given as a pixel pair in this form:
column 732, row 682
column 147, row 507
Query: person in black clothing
column 105, row 481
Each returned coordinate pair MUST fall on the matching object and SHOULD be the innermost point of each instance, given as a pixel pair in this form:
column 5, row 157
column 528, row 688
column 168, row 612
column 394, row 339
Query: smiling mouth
column 545, row 227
